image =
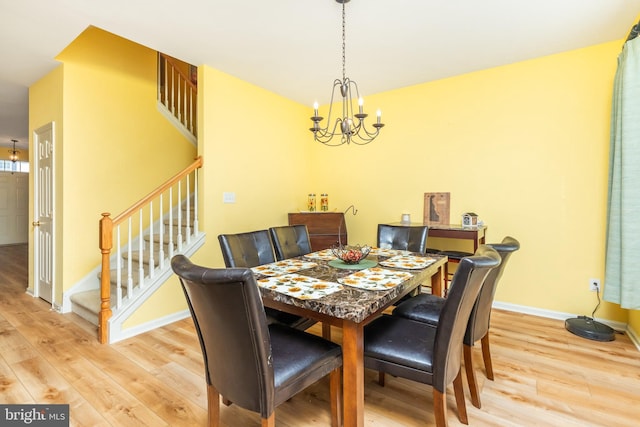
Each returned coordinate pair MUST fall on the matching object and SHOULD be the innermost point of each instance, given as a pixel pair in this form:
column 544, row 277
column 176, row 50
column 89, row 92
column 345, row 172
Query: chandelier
column 350, row 126
column 14, row 153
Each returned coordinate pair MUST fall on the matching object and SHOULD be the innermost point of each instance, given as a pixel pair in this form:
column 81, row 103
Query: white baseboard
column 618, row 326
column 121, row 334
column 634, row 337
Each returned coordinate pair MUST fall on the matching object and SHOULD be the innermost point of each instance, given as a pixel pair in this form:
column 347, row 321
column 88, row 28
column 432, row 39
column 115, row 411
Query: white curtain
column 622, row 266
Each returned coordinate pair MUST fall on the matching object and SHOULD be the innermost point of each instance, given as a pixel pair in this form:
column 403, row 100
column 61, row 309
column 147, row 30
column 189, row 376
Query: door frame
column 36, row 200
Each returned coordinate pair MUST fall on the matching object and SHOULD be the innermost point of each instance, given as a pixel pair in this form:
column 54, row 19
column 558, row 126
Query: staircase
column 144, row 237
column 147, row 235
column 178, row 95
column 87, row 304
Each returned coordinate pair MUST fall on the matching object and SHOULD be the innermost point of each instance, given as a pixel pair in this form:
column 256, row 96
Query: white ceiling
column 293, row 47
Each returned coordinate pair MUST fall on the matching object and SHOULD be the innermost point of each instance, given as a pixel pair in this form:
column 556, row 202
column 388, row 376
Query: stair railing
column 152, row 223
column 177, row 92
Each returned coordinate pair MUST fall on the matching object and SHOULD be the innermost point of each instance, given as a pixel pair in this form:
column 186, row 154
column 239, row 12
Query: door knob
column 35, row 223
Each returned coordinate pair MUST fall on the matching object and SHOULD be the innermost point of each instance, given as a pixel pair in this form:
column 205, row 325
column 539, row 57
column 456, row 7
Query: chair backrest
column 246, row 249
column 232, row 328
column 452, row 324
column 290, row 241
column 480, row 317
column 408, row 238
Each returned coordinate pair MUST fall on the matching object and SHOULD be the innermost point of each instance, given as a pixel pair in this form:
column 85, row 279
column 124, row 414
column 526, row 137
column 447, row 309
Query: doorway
column 43, row 223
column 14, row 208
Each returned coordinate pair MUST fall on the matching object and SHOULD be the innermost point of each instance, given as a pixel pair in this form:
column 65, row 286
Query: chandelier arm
column 370, row 133
column 324, row 135
column 336, row 83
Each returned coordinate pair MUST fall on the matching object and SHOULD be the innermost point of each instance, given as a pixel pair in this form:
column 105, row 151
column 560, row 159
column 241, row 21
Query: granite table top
column 351, row 303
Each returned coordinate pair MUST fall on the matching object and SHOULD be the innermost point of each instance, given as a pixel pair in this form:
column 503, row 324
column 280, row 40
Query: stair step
column 87, row 305
column 175, row 227
column 165, row 239
column 124, row 275
column 135, row 257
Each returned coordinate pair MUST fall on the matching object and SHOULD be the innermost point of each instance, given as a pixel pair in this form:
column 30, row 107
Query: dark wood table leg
column 353, row 373
column 436, row 280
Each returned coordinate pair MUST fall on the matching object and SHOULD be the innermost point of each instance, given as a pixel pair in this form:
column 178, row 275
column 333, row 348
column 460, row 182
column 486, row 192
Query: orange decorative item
column 324, row 202
column 311, row 203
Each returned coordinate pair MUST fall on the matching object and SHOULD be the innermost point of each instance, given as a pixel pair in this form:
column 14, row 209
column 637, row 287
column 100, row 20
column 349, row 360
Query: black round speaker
column 588, row 328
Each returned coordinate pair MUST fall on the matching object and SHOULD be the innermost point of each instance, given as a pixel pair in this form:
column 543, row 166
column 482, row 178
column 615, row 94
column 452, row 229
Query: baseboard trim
column 633, row 336
column 617, row 326
column 123, row 334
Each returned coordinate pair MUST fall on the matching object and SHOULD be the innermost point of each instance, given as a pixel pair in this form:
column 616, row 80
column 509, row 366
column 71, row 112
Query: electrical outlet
column 594, row 285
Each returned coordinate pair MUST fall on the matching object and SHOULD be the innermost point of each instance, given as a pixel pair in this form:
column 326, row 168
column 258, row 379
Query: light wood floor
column 545, row 376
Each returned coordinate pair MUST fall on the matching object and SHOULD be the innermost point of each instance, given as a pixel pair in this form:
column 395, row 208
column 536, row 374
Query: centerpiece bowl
column 351, row 254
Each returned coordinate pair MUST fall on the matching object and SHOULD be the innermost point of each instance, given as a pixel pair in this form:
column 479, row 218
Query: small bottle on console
column 311, row 203
column 324, row 202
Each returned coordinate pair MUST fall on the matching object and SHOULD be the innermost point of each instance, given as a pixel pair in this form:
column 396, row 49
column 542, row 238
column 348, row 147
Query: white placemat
column 325, row 255
column 375, row 278
column 387, row 252
column 299, row 286
column 283, row 267
column 408, row 262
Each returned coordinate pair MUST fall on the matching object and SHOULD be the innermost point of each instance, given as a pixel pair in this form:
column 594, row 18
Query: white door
column 43, row 236
column 14, row 208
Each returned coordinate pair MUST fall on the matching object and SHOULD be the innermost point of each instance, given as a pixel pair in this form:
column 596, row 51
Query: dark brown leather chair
column 247, row 249
column 431, row 355
column 251, row 249
column 407, row 238
column 290, row 241
column 255, row 365
column 426, row 308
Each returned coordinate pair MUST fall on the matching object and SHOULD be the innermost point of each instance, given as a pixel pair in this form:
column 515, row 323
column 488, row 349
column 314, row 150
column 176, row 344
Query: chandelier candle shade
column 350, row 127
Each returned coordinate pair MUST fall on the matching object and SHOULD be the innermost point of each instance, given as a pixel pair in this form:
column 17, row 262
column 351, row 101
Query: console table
column 323, row 228
column 454, row 231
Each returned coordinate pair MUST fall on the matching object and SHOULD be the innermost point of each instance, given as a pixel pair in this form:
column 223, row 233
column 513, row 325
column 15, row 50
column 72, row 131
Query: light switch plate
column 228, row 197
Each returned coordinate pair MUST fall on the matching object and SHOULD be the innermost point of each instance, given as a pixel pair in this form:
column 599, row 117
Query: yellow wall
column 252, row 145
column 525, row 146
column 45, row 106
column 23, row 155
column 634, row 321
column 117, row 146
column 249, row 147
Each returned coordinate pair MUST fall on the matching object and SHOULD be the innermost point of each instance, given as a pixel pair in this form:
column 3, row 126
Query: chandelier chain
column 344, row 45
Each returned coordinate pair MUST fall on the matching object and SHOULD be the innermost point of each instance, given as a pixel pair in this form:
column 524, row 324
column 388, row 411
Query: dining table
column 322, row 287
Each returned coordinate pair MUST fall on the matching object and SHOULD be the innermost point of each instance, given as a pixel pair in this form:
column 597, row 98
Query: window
column 9, row 166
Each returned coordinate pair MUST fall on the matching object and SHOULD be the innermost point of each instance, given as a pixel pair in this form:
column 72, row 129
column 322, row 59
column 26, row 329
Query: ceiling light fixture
column 14, row 153
column 349, row 126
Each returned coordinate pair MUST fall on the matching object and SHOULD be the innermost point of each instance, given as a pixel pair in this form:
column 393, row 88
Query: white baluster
column 140, row 252
column 118, row 270
column 161, row 234
column 130, row 261
column 171, row 222
column 188, row 209
column 179, row 218
column 152, row 264
column 166, row 82
column 195, row 202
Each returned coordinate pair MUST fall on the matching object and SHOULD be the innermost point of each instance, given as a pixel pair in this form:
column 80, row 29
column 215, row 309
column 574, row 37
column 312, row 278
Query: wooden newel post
column 106, row 244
